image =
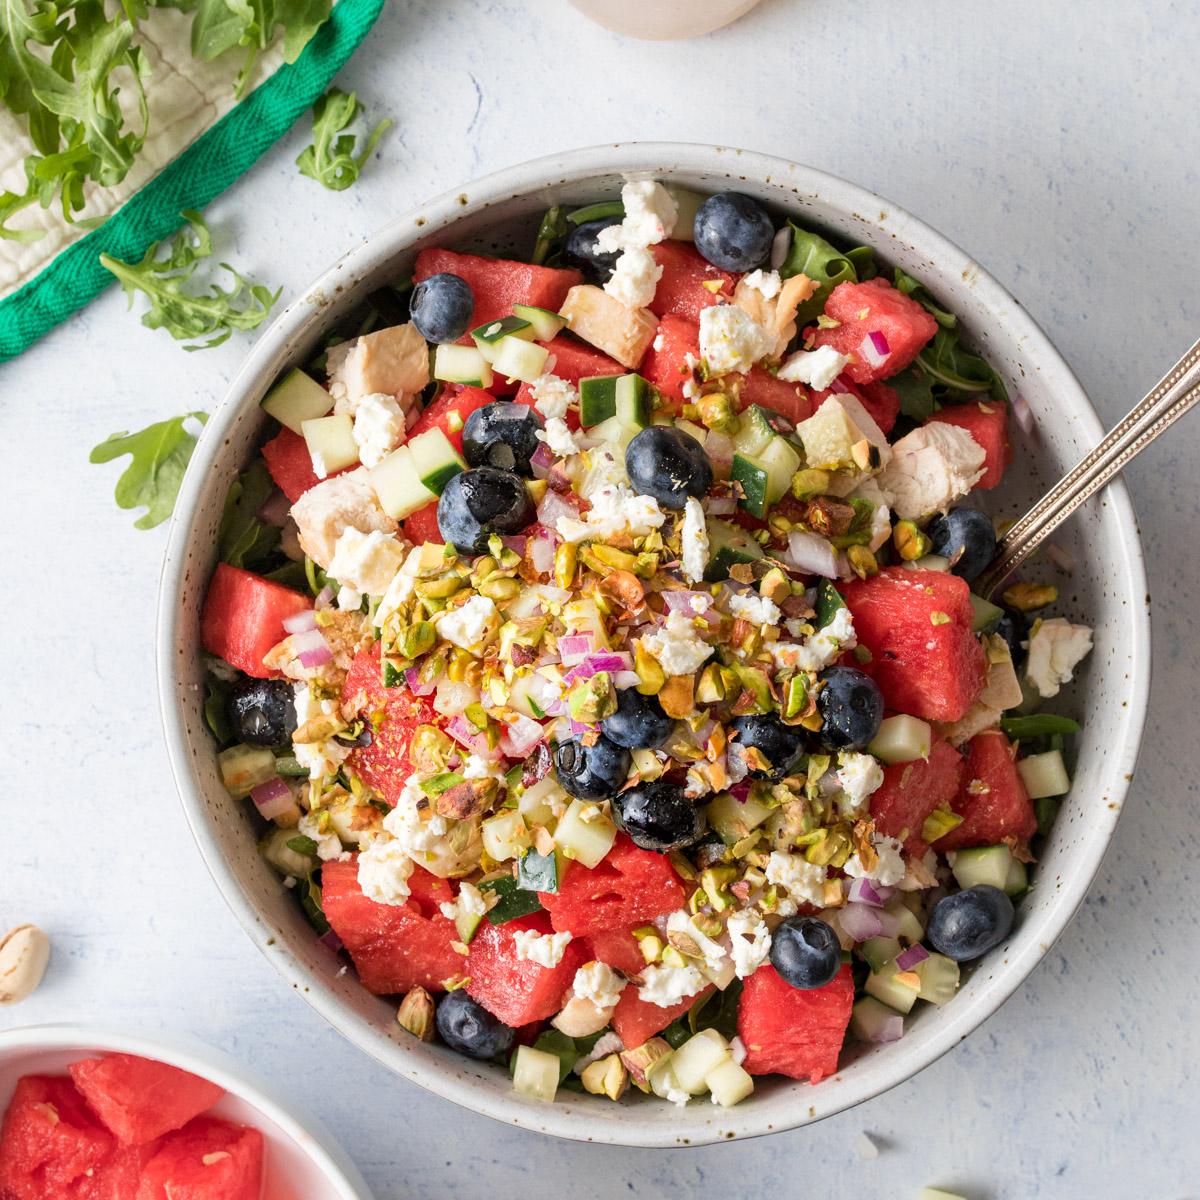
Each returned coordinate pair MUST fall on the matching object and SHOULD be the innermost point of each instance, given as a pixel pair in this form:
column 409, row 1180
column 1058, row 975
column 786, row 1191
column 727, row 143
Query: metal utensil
column 1167, row 401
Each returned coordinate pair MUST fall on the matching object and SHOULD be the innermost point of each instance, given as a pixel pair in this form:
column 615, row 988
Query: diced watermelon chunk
column 499, row 283
column 395, row 947
column 208, row 1159
column 243, row 617
column 875, row 307
column 139, row 1099
column 618, row 948
column 626, row 888
column 635, row 1020
column 761, row 387
column 992, row 798
column 449, row 413
column 394, row 713
column 987, row 422
column 575, row 360
column 117, row 1178
column 791, row 1031
column 881, row 400
column 290, row 464
column 681, row 289
column 517, row 990
column 917, row 627
column 911, row 791
column 423, row 526
column 49, row 1140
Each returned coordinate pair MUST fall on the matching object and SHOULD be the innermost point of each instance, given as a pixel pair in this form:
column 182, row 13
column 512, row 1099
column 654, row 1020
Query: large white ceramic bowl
column 303, row 1161
column 1108, row 590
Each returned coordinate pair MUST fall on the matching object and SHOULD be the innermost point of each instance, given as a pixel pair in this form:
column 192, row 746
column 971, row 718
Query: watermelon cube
column 518, row 990
column 987, row 422
column 791, row 1031
column 575, row 360
column 991, row 798
column 243, row 617
column 760, row 387
column 290, row 464
column 912, row 790
column 881, row 400
column 50, row 1139
column 395, row 947
column 635, row 1020
column 449, row 413
column 499, row 283
column 618, row 948
column 626, row 888
column 893, row 326
column 118, row 1177
column 423, row 526
column 681, row 289
column 208, row 1159
column 139, row 1099
column 917, row 626
column 394, row 714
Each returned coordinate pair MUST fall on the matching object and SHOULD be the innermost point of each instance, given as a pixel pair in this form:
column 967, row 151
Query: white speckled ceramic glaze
column 302, row 1159
column 1107, row 590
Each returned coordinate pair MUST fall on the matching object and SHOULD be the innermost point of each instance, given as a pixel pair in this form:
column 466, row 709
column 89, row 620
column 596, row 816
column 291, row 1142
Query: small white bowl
column 303, row 1160
column 500, row 214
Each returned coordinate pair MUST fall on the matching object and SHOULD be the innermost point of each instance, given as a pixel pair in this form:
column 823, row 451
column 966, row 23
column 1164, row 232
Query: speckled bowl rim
column 584, row 1118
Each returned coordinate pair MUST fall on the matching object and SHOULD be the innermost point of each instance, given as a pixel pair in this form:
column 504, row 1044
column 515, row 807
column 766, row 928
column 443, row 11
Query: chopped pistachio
column 677, row 695
column 715, row 882
column 810, row 482
column 710, row 688
column 909, row 541
column 439, row 589
column 716, row 412
column 862, row 561
column 607, row 1076
column 591, row 700
column 672, row 957
column 416, row 1014
column 499, row 588
column 651, row 676
column 641, row 1061
column 775, row 585
column 939, row 823
column 1029, row 597
column 565, row 561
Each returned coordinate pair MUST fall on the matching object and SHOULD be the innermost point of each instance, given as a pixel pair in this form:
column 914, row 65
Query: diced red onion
column 541, row 461
column 573, row 648
column 301, row 622
column 518, row 412
column 720, row 506
column 1064, row 560
column 516, row 543
column 324, row 598
column 681, row 600
column 1024, row 415
column 412, row 678
column 864, row 891
column 272, row 798
column 781, row 245
column 811, row 554
column 911, row 957
column 840, row 387
column 541, row 553
column 860, row 922
column 626, row 679
column 330, row 940
column 593, row 664
column 578, row 728
column 275, row 509
column 874, row 349
column 520, row 737
column 552, row 507
column 465, row 734
column 311, row 648
column 741, row 791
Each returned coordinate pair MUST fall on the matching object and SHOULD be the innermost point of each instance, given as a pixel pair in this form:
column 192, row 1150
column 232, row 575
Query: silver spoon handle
column 1171, row 397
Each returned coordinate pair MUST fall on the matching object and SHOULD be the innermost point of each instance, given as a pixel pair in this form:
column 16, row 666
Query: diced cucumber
column 1044, row 775
column 466, row 924
column 687, row 204
column 754, row 431
column 297, row 398
column 939, row 979
column 900, row 994
column 765, row 477
column 436, row 460
column 506, row 835
column 275, row 849
column 727, row 545
column 546, row 325
column 487, row 338
column 983, row 864
column 697, row 1058
column 879, row 951
column 986, row 613
column 539, row 803
column 461, row 364
column 901, row 739
column 516, row 358
column 331, row 444
column 588, row 841
column 634, row 396
column 729, row 1083
column 752, row 475
column 398, row 486
column 512, row 902
column 598, row 399
column 733, row 819
column 869, row 1018
column 691, row 429
column 537, row 872
column 243, row 768
column 908, row 926
column 536, row 1073
column 613, row 433
column 1018, row 878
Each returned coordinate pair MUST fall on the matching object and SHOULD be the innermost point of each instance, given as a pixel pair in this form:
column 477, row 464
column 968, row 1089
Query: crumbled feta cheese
column 470, row 902
column 1056, row 648
column 766, row 282
column 558, row 436
column 818, row 368
column 476, row 767
column 329, row 845
column 682, row 923
column 931, row 467
column 820, row 649
column 366, row 562
column 694, row 541
column 730, row 340
column 378, row 427
column 383, row 871
column 758, row 610
column 634, row 278
column 666, row 986
column 750, row 940
column 320, row 758
column 858, row 775
column 545, row 949
column 679, row 648
column 602, row 468
column 552, row 397
column 441, row 846
column 598, row 983
column 650, row 216
column 469, row 625
column 615, row 510
column 348, row 599
column 803, row 881
column 888, row 871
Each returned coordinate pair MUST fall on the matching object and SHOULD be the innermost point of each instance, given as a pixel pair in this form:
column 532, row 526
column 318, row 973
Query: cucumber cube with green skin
column 537, row 872
column 586, row 842
column 331, row 444
column 868, row 1018
column 297, row 398
column 734, row 819
column 466, row 924
column 882, row 984
column 754, row 431
column 901, row 739
column 687, row 204
column 506, row 835
column 633, row 402
column 462, row 364
column 765, row 476
column 436, row 460
column 1044, row 775
column 982, row 864
column 287, row 861
column 487, row 337
column 829, row 601
column 879, row 951
column 752, row 475
column 398, row 486
column 987, row 614
column 598, row 399
column 613, row 433
column 243, row 768
column 515, row 358
column 536, row 1073
column 697, row 1058
column 908, row 926
column 728, row 545
column 512, row 901
column 939, row 979
column 546, row 325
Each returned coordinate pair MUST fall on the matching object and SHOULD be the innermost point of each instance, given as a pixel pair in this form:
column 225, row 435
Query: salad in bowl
column 593, row 644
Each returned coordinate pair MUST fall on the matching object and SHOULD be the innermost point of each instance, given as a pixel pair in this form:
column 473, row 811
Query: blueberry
column 668, row 464
column 1014, row 629
column 466, row 1026
column 262, row 712
column 733, row 231
column 970, row 923
column 781, row 745
column 441, row 307
column 638, row 723
column 477, row 503
column 583, row 253
column 591, row 772
column 806, row 953
column 851, row 705
column 658, row 816
column 965, row 537
column 501, row 435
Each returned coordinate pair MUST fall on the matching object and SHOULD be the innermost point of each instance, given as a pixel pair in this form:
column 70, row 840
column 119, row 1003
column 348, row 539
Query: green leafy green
column 948, row 363
column 244, row 540
column 811, row 255
column 513, row 901
column 917, row 401
column 303, row 845
column 331, row 159
column 612, row 210
column 160, row 455
column 312, row 901
column 916, row 289
column 717, row 1010
column 829, row 600
column 676, row 1033
column 1038, row 725
column 562, row 1047
column 862, row 258
column 215, row 715
column 552, row 235
column 184, row 314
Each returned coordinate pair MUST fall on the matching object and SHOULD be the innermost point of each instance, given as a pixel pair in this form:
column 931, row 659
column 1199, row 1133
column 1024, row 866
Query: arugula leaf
column 331, row 160
column 184, row 314
column 958, row 369
column 215, row 715
column 917, row 290
column 825, row 265
column 245, row 541
column 551, row 237
column 717, row 1010
column 302, row 844
column 917, row 401
column 160, row 455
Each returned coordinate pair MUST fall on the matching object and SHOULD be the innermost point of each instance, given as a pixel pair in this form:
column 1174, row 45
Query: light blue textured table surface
column 1058, row 143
